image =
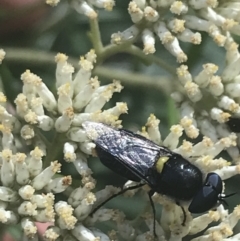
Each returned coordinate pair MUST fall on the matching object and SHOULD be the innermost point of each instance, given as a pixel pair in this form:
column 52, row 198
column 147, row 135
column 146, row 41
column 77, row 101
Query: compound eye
column 214, row 180
column 204, row 200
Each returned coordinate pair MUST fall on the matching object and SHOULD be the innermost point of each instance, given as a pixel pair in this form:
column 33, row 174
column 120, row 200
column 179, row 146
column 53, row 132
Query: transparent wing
column 134, row 151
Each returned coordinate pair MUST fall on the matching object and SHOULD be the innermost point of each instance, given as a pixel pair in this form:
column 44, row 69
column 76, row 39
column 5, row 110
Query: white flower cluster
column 27, row 163
column 208, row 100
column 173, row 21
column 169, row 227
column 27, row 190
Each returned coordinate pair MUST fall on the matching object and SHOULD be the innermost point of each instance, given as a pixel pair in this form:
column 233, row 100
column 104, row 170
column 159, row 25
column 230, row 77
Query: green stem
column 95, row 36
column 30, row 56
column 105, row 52
column 113, row 49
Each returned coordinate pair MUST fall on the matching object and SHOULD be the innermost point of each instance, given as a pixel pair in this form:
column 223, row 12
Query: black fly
column 138, row 159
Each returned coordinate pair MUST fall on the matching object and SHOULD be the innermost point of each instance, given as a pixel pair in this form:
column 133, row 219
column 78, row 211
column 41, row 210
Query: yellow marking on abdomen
column 160, row 163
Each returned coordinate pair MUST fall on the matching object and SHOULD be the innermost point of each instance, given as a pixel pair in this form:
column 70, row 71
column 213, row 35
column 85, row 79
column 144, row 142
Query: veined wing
column 133, row 151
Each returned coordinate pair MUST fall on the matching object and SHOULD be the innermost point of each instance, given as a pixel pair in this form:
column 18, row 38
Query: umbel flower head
column 210, row 99
column 172, row 22
column 28, row 167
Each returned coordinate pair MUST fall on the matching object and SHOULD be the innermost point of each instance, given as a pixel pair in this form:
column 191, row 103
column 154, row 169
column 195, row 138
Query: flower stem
column 105, row 52
column 112, row 49
column 95, row 36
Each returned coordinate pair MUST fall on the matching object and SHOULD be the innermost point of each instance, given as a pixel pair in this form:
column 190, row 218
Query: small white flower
column 82, row 233
column 29, row 227
column 45, row 176
column 58, row 185
column 66, row 220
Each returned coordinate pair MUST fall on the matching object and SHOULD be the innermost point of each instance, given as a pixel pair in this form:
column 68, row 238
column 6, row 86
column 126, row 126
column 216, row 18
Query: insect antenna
column 222, row 197
column 115, row 195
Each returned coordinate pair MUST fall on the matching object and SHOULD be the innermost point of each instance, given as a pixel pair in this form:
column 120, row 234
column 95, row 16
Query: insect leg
column 184, row 213
column 221, row 198
column 115, row 195
column 151, row 192
column 184, row 216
